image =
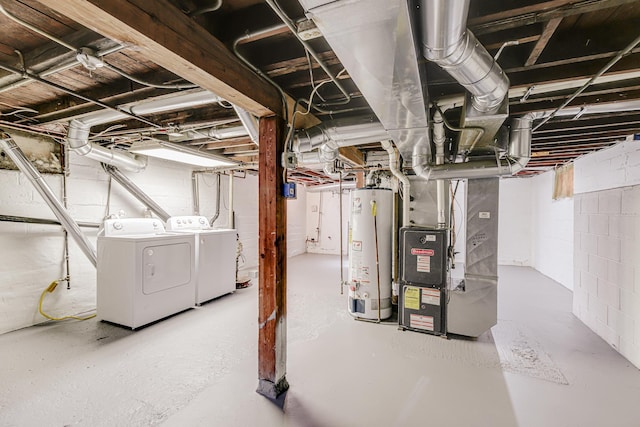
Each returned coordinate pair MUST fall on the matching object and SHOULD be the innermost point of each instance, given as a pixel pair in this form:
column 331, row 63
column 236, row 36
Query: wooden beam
column 272, row 247
column 172, row 40
column 548, row 31
column 351, row 155
column 540, row 12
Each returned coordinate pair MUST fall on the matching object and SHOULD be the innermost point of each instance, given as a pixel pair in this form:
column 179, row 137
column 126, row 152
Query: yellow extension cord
column 50, row 289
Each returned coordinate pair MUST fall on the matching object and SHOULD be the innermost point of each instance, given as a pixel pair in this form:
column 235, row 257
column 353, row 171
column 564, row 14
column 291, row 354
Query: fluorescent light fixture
column 179, row 153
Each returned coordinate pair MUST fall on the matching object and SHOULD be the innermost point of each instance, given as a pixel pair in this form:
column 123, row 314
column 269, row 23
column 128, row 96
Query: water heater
column 370, row 231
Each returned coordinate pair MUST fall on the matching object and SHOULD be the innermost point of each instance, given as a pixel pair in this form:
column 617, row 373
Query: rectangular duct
column 473, row 308
column 374, row 41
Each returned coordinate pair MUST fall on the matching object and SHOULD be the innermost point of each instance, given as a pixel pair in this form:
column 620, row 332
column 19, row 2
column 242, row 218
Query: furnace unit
column 423, row 277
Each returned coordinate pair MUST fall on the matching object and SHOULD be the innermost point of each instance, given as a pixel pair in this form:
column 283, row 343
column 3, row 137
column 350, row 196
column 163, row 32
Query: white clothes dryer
column 144, row 273
column 215, row 256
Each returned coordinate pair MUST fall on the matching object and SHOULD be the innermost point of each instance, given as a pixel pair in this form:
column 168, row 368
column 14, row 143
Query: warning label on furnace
column 421, row 322
column 423, row 263
column 430, row 296
column 412, row 298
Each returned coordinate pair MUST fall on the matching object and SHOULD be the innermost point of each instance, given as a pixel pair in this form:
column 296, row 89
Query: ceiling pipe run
column 36, row 179
column 349, row 185
column 79, row 129
column 136, row 192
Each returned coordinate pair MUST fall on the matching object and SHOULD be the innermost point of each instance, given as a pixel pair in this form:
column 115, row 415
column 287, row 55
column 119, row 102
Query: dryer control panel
column 132, row 226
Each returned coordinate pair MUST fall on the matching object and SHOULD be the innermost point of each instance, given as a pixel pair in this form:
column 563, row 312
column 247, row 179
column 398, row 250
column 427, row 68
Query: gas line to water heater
column 374, row 211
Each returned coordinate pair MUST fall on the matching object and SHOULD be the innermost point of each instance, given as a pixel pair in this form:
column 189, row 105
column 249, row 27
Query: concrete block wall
column 607, row 249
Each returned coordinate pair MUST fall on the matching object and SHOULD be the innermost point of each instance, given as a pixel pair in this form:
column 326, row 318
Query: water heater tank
column 369, row 277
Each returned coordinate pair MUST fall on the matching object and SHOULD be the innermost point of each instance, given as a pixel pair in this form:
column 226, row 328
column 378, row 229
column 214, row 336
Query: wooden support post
column 272, row 305
column 360, row 179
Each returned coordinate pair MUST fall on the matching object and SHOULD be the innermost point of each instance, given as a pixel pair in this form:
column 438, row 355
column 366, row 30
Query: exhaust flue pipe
column 448, row 43
column 320, row 144
column 249, row 122
column 70, row 226
column 518, row 155
column 79, row 129
column 136, row 192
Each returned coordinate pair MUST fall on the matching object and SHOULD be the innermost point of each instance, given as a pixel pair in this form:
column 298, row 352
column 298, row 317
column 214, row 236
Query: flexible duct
column 456, row 50
column 79, row 129
column 70, row 226
column 136, row 192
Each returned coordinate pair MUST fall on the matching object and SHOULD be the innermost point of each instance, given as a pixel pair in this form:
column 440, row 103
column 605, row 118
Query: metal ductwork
column 136, row 192
column 518, row 155
column 448, row 43
column 249, row 122
column 79, row 129
column 25, row 166
column 320, row 144
column 374, row 41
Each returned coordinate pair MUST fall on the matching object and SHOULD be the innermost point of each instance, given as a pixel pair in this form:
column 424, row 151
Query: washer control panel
column 192, row 222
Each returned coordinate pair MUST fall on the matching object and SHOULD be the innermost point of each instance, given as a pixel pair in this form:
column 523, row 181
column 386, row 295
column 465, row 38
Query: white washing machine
column 144, row 273
column 215, row 256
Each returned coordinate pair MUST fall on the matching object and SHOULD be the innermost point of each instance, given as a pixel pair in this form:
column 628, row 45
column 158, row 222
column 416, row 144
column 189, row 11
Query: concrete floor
column 539, row 366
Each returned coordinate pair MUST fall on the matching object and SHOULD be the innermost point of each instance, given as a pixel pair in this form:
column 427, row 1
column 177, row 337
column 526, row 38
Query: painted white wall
column 552, row 228
column 515, row 221
column 245, row 207
column 323, row 220
column 33, row 254
column 297, row 223
column 607, row 255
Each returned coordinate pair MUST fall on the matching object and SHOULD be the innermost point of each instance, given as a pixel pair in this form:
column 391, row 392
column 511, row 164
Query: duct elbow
column 78, row 137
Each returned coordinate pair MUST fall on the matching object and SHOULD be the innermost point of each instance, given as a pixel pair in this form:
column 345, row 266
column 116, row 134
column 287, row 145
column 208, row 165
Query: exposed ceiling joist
column 169, row 38
column 549, row 29
column 540, row 12
column 351, row 155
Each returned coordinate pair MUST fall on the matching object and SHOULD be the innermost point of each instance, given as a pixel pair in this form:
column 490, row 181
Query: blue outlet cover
column 289, row 190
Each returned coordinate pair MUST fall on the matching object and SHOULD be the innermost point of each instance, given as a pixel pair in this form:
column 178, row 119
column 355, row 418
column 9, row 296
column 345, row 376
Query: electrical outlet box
column 289, row 190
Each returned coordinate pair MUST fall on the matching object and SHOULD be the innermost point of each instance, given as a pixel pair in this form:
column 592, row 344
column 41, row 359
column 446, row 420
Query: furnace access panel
column 422, row 296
